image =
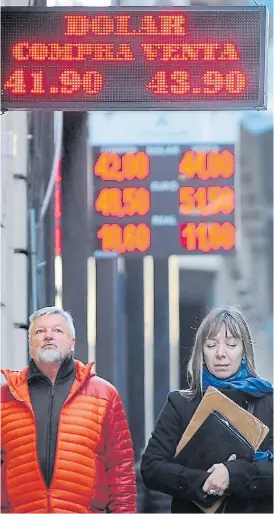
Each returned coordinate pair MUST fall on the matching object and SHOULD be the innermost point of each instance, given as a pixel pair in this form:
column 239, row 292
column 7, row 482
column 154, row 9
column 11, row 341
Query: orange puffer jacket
column 94, row 465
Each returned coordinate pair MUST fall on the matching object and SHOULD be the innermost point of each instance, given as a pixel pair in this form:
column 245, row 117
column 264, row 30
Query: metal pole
column 33, row 259
column 58, row 118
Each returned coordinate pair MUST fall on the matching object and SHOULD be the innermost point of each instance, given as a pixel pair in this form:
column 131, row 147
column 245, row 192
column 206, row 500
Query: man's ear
column 72, row 344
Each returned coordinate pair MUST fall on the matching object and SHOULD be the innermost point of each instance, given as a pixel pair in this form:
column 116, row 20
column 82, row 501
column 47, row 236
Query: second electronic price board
column 164, row 200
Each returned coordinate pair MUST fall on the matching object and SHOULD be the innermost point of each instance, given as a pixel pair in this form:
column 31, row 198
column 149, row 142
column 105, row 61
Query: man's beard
column 48, row 355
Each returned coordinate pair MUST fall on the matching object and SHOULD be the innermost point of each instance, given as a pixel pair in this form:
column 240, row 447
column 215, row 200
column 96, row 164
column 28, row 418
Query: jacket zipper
column 49, row 435
column 49, row 500
column 57, row 438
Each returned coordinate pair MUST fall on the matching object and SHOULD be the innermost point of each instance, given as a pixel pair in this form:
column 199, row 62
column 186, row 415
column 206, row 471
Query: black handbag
column 214, row 441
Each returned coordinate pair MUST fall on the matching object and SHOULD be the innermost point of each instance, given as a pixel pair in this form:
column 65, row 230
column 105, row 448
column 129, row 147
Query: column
column 74, row 225
column 111, row 351
column 161, row 334
column 135, row 348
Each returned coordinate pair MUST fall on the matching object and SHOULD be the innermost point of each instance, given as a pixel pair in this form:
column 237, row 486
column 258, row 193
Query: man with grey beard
column 66, row 445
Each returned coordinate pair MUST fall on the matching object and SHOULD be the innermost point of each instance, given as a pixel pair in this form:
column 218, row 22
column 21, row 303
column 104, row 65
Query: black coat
column 250, row 484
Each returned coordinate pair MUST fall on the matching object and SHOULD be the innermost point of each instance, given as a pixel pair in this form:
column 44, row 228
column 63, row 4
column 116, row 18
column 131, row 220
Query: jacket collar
column 67, row 368
column 18, row 381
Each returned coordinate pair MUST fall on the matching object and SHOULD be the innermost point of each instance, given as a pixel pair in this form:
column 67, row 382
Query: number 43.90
column 178, row 83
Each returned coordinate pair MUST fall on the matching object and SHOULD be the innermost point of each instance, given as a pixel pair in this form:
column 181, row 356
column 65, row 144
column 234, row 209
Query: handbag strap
column 250, row 406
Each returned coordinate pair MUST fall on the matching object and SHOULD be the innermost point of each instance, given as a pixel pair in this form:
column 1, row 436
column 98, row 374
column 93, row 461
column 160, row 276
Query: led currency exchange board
column 134, row 58
column 164, row 200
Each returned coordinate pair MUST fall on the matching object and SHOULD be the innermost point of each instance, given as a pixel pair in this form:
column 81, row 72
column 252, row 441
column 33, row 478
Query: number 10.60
column 115, row 238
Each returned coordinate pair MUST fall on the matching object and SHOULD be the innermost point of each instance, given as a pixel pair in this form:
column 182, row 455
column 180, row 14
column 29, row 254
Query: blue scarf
column 243, row 380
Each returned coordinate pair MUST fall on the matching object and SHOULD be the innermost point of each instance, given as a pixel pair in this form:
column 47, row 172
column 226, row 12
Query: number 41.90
column 69, row 82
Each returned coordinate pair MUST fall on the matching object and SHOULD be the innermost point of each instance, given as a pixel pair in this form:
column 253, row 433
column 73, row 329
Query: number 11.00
column 207, row 237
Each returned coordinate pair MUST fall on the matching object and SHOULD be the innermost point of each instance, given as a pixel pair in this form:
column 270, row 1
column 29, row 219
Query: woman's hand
column 218, row 481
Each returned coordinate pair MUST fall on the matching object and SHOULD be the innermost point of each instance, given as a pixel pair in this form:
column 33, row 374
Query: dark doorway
column 196, row 299
column 191, row 315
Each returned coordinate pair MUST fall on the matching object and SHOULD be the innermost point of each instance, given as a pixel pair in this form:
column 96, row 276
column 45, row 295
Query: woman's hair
column 236, row 324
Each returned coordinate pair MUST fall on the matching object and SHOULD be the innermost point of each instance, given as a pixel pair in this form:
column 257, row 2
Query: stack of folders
column 218, row 429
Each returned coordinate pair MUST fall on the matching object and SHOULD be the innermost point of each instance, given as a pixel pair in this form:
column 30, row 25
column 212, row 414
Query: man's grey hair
column 47, row 311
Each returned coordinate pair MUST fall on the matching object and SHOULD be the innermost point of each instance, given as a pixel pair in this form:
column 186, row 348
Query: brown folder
column 246, row 423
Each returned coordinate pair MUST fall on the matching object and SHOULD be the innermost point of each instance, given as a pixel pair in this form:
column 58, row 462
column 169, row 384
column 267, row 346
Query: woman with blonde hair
column 222, row 357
